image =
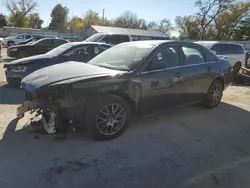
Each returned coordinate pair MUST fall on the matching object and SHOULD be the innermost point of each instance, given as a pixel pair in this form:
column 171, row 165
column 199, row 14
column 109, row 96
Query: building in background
column 136, row 33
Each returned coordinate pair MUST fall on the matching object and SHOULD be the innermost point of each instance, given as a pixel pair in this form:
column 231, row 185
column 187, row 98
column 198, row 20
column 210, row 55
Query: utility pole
column 103, row 11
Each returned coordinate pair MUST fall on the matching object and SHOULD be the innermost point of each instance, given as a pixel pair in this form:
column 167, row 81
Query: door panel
column 196, row 79
column 161, row 80
column 160, row 89
column 197, row 72
column 43, row 46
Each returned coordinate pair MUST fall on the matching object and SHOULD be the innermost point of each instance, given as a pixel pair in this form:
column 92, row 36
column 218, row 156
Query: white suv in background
column 232, row 51
column 12, row 40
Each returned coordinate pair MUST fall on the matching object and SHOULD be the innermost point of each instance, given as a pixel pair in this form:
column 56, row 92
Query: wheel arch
column 220, row 78
column 127, row 98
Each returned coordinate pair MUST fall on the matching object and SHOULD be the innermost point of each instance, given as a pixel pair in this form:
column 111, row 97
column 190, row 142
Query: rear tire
column 236, row 68
column 107, row 117
column 22, row 54
column 214, row 94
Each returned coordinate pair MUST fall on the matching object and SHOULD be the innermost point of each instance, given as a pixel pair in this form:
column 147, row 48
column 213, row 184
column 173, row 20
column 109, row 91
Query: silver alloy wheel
column 48, row 120
column 22, row 55
column 11, row 44
column 110, row 119
column 215, row 94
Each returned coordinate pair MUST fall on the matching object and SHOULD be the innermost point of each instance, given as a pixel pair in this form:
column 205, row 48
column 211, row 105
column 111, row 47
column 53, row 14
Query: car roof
column 211, row 43
column 157, row 42
column 97, row 43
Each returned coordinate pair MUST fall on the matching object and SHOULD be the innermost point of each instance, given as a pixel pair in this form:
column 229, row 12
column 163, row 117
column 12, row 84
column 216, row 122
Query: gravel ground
column 190, row 147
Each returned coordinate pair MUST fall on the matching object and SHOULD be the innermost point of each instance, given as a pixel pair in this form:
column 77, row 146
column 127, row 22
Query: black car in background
column 134, row 78
column 39, row 47
column 72, row 51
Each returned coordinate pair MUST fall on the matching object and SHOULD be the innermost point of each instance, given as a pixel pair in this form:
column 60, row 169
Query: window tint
column 222, row 49
column 167, row 57
column 81, row 51
column 27, row 36
column 247, row 47
column 46, row 42
column 20, row 37
column 59, row 42
column 237, row 49
column 100, row 49
column 115, row 39
column 192, row 55
column 209, row 56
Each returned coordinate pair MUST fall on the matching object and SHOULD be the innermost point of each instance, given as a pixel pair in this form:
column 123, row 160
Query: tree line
column 213, row 20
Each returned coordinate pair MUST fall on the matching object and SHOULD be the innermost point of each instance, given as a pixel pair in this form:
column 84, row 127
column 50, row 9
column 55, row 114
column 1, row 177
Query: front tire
column 214, row 94
column 11, row 43
column 107, row 117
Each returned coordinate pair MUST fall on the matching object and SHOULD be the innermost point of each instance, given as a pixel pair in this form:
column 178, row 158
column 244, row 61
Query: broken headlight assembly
column 19, row 68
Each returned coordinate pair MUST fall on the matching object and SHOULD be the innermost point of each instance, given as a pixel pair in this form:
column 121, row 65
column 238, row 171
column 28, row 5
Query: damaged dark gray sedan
column 130, row 79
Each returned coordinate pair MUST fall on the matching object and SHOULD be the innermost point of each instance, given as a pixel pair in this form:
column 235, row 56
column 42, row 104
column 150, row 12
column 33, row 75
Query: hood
column 9, row 37
column 30, row 59
column 64, row 73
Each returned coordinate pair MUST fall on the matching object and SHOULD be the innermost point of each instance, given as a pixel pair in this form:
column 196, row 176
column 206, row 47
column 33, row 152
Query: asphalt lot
column 190, row 147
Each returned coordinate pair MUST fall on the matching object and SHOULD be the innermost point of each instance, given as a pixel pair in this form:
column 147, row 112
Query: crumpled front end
column 56, row 104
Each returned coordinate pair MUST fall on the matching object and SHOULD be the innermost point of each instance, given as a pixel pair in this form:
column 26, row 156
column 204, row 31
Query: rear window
column 115, row 39
column 223, row 49
column 59, row 42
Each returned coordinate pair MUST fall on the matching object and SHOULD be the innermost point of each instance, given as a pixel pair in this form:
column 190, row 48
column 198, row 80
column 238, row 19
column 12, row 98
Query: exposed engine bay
column 57, row 108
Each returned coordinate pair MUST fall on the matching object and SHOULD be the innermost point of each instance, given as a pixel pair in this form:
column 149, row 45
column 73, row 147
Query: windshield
column 60, row 49
column 124, row 56
column 94, row 38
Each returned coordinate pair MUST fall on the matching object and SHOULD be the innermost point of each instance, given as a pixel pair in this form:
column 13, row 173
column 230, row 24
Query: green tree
column 76, row 25
column 188, row 27
column 165, row 26
column 91, row 18
column 19, row 10
column 243, row 31
column 208, row 10
column 59, row 17
column 228, row 22
column 3, row 20
column 35, row 21
column 129, row 19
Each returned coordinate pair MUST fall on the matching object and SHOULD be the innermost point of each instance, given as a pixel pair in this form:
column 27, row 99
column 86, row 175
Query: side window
column 46, row 42
column 238, row 49
column 100, row 49
column 27, row 36
column 220, row 49
column 59, row 42
column 210, row 57
column 192, row 55
column 20, row 37
column 81, row 51
column 167, row 57
column 115, row 39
